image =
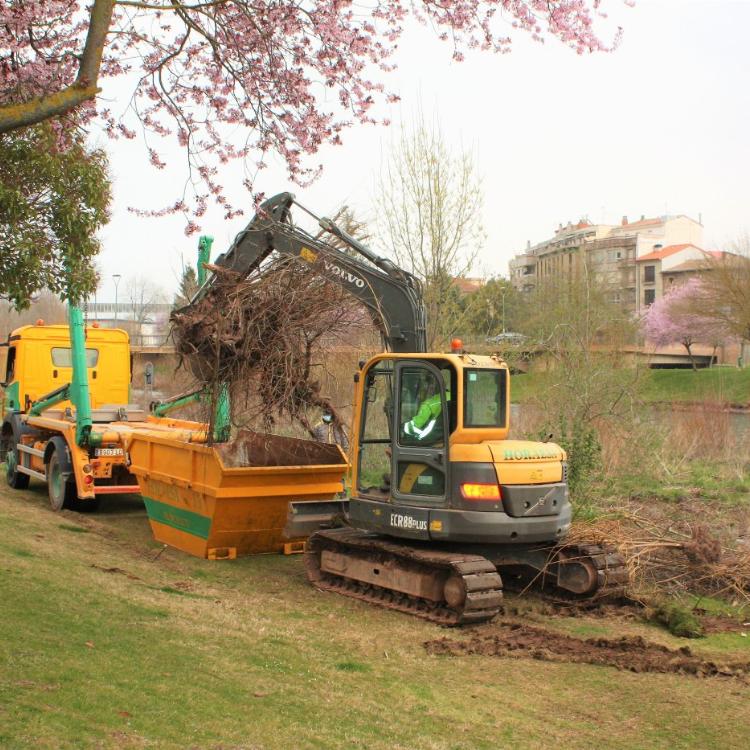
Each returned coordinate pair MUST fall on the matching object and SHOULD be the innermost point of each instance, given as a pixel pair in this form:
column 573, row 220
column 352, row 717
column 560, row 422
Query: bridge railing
column 150, row 339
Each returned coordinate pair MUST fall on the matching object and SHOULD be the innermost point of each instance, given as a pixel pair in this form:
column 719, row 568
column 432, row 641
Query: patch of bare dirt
column 629, row 653
column 116, row 570
column 718, row 624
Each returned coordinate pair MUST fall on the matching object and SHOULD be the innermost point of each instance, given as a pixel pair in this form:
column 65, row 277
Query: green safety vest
column 427, row 422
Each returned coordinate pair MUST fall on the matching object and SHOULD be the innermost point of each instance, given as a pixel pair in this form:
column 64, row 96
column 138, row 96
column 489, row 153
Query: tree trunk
column 690, row 354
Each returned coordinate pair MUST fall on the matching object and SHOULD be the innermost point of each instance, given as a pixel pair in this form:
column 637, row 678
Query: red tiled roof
column 467, row 285
column 665, row 252
column 687, row 265
column 640, row 223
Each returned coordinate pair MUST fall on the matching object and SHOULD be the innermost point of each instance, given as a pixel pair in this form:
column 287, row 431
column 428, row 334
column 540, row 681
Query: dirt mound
column 631, row 653
column 250, row 448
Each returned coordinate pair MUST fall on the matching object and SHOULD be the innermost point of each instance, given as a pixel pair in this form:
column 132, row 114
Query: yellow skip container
column 231, row 499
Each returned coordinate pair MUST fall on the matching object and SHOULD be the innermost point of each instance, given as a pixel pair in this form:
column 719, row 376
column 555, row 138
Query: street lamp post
column 116, row 277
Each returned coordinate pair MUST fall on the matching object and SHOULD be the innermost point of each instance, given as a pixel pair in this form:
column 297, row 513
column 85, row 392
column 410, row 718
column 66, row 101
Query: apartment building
column 614, row 253
column 666, row 267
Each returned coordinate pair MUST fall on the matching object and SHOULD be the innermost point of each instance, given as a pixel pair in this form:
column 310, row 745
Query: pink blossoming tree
column 236, row 79
column 674, row 319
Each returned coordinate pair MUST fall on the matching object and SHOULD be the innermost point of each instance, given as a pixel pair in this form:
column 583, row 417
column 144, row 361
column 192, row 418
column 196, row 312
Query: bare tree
column 142, row 295
column 45, row 306
column 429, row 202
column 726, row 289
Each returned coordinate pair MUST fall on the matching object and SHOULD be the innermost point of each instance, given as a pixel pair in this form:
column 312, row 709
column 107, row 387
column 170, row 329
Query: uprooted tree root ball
column 264, row 337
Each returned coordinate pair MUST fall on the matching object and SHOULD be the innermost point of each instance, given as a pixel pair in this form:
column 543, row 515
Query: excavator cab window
column 375, row 438
column 485, row 398
column 421, row 408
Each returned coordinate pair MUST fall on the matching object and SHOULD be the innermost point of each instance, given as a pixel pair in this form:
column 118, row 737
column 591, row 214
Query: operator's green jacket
column 426, row 423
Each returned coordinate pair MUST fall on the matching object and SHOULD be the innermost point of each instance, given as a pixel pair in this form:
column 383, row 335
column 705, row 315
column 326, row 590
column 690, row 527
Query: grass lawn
column 717, row 384
column 104, row 644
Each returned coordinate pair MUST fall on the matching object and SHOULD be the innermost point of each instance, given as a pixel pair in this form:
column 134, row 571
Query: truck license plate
column 108, row 451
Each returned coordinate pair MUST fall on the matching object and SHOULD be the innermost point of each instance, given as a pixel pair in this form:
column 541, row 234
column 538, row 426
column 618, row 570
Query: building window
column 649, row 275
column 649, row 295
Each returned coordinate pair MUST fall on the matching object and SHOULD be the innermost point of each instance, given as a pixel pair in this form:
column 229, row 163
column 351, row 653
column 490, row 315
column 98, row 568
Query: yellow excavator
column 444, row 507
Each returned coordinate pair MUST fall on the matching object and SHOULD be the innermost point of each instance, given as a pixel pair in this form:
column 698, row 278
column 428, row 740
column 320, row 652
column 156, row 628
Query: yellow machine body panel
column 38, row 360
column 465, row 444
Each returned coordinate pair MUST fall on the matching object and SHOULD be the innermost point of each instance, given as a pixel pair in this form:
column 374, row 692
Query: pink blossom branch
column 38, row 109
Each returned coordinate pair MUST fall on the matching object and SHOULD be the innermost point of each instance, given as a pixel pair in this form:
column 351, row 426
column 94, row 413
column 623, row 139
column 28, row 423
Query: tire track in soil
column 510, row 639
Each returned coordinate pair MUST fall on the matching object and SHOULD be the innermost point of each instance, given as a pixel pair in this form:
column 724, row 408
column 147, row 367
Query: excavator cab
column 422, row 446
column 407, row 413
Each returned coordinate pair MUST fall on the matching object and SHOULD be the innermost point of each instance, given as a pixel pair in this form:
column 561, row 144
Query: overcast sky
column 662, row 125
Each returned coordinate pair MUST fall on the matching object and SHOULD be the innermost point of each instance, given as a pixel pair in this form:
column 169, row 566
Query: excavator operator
column 426, row 426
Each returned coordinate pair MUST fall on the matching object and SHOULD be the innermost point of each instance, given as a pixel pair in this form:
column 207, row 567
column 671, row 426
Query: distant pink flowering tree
column 230, row 79
column 674, row 319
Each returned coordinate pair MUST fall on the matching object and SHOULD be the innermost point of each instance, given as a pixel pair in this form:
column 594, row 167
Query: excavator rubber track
column 593, row 573
column 445, row 587
column 608, row 566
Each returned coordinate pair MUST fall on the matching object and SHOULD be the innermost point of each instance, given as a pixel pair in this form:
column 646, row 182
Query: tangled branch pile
column 686, row 559
column 264, row 337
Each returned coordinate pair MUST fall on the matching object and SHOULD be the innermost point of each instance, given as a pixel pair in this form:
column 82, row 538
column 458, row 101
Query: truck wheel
column 16, row 479
column 62, row 492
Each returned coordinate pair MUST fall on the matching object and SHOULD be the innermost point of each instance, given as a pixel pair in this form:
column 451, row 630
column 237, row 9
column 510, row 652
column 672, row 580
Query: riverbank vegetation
column 717, row 386
column 658, row 460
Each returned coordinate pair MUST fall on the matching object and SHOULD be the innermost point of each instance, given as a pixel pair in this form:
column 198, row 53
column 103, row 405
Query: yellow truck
column 68, row 426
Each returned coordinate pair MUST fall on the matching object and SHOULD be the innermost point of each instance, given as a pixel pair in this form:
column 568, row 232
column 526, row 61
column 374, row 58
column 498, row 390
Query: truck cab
column 40, row 425
column 37, row 359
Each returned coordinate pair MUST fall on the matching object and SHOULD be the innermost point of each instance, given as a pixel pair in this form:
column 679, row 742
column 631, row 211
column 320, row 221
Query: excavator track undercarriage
column 457, row 586
column 568, row 572
column 450, row 588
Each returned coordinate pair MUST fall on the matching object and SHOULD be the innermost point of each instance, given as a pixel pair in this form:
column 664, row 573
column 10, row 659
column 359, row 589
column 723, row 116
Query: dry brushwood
column 688, row 559
column 265, row 336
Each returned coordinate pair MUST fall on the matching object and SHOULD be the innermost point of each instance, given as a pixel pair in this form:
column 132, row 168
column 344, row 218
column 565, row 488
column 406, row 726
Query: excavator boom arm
column 392, row 296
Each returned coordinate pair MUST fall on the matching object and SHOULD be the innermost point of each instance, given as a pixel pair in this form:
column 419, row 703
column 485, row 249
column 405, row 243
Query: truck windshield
column 484, row 398
column 62, row 357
